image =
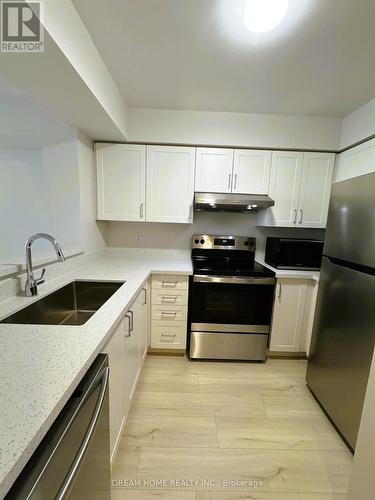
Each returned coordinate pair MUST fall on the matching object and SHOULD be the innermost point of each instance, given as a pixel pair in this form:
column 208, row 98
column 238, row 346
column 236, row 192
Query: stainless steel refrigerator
column 344, row 325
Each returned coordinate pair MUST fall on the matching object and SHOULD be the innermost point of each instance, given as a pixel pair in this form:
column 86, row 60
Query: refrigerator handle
column 295, row 216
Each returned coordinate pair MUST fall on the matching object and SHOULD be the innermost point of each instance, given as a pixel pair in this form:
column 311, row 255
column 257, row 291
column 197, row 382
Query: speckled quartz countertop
column 41, row 365
column 289, row 273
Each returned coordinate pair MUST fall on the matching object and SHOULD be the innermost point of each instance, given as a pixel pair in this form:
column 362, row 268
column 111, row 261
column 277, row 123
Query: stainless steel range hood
column 221, row 202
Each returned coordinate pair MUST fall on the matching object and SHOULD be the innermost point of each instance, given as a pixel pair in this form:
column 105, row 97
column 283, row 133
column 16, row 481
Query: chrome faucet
column 31, row 285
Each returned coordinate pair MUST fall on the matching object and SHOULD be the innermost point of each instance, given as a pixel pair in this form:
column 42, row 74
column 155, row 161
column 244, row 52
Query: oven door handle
column 200, row 278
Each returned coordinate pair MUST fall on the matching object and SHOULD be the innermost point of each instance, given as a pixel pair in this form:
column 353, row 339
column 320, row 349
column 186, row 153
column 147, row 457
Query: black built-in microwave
column 294, row 253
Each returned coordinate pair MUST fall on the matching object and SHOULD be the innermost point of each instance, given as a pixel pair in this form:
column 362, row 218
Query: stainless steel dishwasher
column 73, row 460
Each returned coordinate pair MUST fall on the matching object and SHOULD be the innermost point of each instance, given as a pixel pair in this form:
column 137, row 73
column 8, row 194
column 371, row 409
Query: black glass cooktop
column 221, row 263
column 256, row 271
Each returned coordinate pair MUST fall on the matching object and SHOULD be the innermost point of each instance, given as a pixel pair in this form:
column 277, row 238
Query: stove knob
column 202, row 241
column 246, row 243
column 196, row 241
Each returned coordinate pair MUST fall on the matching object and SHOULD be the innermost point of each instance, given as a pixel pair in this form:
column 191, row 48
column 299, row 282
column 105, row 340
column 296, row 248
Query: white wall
column 47, row 180
column 93, row 232
column 39, row 185
column 233, row 129
column 178, row 236
column 67, row 29
column 358, row 125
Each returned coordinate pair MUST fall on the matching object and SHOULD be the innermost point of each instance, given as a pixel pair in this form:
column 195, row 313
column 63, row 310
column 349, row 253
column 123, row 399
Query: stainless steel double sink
column 73, row 304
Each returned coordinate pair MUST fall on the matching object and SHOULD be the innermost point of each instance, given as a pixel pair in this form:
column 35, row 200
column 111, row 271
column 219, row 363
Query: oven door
column 230, row 317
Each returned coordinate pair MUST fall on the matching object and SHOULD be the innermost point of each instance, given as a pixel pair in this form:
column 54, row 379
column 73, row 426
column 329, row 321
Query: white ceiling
column 196, row 55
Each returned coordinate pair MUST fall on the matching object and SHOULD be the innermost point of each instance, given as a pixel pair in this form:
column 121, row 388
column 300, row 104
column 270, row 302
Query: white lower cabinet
column 133, row 336
column 126, row 349
column 310, row 306
column 169, row 297
column 115, row 348
column 287, row 330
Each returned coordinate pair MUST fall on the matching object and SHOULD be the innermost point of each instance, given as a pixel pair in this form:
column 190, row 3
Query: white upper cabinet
column 285, row 180
column 121, row 181
column 170, row 184
column 213, row 172
column 220, row 170
column 300, row 185
column 251, row 171
column 356, row 161
column 316, row 182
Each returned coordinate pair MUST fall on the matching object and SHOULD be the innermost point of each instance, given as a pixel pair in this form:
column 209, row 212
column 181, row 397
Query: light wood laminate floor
column 228, row 431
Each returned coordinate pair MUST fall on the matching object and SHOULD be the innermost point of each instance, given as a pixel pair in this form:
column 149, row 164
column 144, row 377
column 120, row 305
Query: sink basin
column 73, row 304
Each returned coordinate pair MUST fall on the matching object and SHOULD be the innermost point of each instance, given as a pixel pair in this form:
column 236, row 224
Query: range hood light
column 254, row 206
column 249, row 207
column 212, row 205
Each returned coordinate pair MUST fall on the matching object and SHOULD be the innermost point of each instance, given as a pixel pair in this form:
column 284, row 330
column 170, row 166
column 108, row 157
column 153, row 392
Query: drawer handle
column 169, row 314
column 167, row 337
column 169, row 299
column 169, row 284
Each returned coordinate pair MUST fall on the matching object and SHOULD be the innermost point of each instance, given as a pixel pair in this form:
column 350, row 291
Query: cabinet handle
column 301, row 215
column 127, row 328
column 141, row 210
column 278, row 292
column 131, row 326
column 169, row 299
column 169, row 284
column 168, row 314
column 295, row 216
column 229, row 177
column 144, row 296
column 167, row 336
column 191, row 212
column 235, row 182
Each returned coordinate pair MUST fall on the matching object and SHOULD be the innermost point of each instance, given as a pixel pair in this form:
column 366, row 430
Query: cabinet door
column 317, row 174
column 132, row 350
column 213, row 171
column 287, row 332
column 121, row 181
column 251, row 172
column 310, row 306
column 356, row 161
column 285, row 180
column 170, row 184
column 115, row 348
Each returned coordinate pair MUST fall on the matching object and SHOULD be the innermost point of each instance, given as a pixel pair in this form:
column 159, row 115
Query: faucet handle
column 40, row 280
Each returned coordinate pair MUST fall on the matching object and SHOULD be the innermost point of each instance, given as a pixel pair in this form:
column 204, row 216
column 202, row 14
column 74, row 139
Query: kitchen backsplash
column 178, row 236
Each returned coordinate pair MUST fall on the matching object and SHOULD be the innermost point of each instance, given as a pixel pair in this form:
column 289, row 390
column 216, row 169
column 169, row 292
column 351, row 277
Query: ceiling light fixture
column 263, row 15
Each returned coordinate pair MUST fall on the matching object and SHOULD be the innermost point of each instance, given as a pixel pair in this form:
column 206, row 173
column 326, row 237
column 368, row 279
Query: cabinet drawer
column 169, row 313
column 167, row 336
column 170, row 282
column 169, row 298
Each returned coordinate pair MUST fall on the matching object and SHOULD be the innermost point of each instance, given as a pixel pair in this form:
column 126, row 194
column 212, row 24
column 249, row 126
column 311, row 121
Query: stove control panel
column 219, row 242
